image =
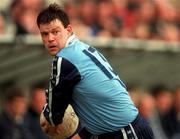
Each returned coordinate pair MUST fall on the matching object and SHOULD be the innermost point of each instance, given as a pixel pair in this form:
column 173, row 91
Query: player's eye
column 55, row 32
column 43, row 34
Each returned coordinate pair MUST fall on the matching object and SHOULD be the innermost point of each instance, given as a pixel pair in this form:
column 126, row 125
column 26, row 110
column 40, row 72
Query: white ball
column 68, row 126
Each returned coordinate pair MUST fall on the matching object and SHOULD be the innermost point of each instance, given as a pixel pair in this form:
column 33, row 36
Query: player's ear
column 69, row 29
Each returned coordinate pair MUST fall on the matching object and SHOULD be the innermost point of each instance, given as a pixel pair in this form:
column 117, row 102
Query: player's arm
column 63, row 79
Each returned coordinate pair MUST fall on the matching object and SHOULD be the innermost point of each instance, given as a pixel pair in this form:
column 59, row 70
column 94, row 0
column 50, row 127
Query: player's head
column 55, row 28
column 52, row 12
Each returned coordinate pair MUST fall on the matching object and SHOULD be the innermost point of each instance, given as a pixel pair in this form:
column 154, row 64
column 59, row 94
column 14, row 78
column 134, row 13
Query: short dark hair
column 52, row 12
column 159, row 89
column 14, row 92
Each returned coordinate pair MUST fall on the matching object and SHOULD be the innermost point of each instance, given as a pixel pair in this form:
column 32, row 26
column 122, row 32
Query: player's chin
column 52, row 53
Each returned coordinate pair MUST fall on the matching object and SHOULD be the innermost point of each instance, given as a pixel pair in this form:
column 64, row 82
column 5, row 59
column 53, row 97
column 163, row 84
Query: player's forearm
column 56, row 106
column 63, row 79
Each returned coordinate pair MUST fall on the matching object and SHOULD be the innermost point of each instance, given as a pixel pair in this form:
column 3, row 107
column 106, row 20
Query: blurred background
column 140, row 38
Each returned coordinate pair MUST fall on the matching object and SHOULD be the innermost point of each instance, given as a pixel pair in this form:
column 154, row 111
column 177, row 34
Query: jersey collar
column 70, row 40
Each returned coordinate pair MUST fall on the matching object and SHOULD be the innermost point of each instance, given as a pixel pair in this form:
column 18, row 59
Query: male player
column 82, row 77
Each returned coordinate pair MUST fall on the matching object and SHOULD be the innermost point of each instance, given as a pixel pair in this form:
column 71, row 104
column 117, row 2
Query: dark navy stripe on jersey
column 65, row 76
column 94, row 59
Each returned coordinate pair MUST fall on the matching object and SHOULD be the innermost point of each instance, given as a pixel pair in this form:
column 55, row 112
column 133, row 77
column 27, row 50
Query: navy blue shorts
column 138, row 129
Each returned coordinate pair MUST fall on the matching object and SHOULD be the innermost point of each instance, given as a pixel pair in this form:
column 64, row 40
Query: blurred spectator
column 129, row 19
column 166, row 11
column 87, row 12
column 172, row 126
column 81, row 30
column 163, row 98
column 175, row 3
column 36, row 104
column 146, row 20
column 72, row 9
column 12, row 124
column 147, row 109
column 169, row 32
column 134, row 93
column 142, row 31
column 139, row 19
column 146, row 105
column 4, row 5
column 2, row 25
column 23, row 14
column 120, row 7
column 108, row 23
column 163, row 103
column 147, row 12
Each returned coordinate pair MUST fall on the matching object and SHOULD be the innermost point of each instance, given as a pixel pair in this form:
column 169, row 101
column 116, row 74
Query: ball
column 68, row 126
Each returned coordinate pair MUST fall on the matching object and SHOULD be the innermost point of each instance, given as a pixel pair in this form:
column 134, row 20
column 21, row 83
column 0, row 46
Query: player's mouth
column 52, row 47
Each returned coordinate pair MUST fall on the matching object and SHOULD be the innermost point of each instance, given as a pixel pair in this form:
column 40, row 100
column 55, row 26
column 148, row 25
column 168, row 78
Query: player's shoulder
column 73, row 52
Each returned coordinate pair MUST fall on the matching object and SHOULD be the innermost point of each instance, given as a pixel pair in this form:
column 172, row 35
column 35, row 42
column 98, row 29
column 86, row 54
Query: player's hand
column 47, row 128
column 64, row 130
column 76, row 137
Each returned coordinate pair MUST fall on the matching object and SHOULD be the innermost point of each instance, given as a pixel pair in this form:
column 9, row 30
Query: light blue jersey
column 99, row 97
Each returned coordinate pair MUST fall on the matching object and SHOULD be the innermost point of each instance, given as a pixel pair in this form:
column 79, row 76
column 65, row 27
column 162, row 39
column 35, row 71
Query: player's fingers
column 43, row 123
column 44, row 128
column 59, row 129
column 76, row 137
column 52, row 131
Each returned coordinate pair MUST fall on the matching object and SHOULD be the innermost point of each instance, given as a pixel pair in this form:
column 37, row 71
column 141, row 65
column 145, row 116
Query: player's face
column 54, row 36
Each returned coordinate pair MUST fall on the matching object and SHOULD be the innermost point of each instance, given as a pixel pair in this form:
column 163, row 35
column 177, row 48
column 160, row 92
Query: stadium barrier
column 25, row 60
